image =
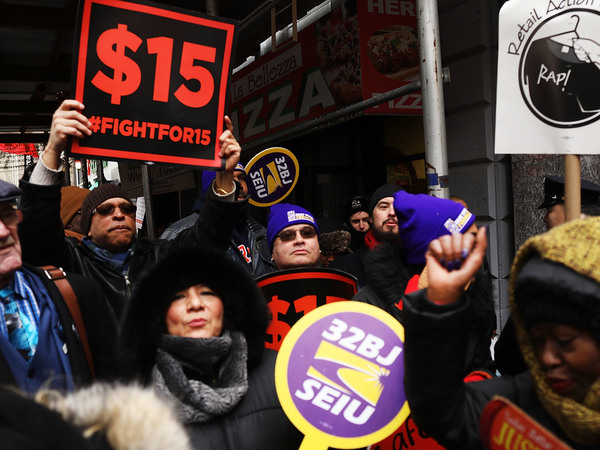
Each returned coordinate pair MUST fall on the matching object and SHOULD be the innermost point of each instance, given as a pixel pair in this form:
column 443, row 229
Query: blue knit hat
column 209, row 175
column 283, row 215
column 423, row 218
column 8, row 191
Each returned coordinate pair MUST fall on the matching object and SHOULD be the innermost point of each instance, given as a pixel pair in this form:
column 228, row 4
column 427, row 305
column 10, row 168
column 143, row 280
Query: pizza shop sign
column 326, row 69
column 262, row 98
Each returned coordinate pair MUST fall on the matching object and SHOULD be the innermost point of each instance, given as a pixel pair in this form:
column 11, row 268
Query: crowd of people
column 116, row 341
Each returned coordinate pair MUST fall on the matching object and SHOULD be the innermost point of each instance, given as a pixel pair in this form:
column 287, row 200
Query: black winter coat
column 43, row 241
column 257, row 422
column 442, row 405
column 389, row 274
column 257, row 240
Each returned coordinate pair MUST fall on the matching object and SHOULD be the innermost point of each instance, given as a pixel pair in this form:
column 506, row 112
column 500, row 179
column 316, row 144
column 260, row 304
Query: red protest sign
column 504, row 425
column 291, row 294
column 154, row 80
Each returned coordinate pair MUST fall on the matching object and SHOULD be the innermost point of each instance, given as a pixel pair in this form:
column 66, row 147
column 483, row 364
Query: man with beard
column 384, row 227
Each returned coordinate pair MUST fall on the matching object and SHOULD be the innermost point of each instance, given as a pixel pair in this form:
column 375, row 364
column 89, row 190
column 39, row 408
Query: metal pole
column 433, row 98
column 148, row 201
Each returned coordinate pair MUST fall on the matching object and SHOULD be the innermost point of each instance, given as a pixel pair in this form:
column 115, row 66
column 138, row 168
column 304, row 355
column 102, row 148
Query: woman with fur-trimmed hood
column 195, row 329
column 555, row 304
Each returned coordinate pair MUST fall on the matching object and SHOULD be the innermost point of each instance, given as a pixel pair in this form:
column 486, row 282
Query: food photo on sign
column 394, row 51
column 339, row 55
column 389, row 53
column 154, row 81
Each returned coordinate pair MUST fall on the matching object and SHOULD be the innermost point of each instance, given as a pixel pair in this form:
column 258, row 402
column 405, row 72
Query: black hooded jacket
column 257, row 421
column 389, row 274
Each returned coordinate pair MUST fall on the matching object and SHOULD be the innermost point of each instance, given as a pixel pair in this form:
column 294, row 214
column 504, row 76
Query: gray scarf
column 202, row 377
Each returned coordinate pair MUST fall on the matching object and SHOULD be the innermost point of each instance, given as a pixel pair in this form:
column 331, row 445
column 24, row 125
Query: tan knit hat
column 71, row 198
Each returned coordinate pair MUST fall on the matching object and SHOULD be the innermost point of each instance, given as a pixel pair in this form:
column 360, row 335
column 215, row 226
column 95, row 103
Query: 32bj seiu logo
column 275, row 174
column 339, row 376
column 349, row 374
column 272, row 176
column 356, row 377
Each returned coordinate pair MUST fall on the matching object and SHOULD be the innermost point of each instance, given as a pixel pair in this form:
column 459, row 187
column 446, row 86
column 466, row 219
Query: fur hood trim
column 335, row 242
column 143, row 321
column 127, row 417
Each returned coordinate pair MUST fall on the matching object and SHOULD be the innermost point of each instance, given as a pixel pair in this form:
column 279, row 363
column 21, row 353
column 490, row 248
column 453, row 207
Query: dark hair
column 143, row 321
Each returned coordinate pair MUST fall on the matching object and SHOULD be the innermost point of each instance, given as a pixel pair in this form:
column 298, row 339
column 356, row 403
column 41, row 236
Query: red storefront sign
column 389, row 53
column 19, row 149
column 329, row 68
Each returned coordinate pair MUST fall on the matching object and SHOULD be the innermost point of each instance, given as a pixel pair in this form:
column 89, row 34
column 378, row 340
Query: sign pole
column 147, row 186
column 572, row 187
column 433, row 98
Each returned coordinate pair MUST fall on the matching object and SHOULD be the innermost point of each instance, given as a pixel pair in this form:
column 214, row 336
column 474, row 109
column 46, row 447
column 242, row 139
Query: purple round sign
column 344, row 373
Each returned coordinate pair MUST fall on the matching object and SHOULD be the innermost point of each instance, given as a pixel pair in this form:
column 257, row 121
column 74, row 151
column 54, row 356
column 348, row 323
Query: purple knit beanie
column 283, row 215
column 97, row 196
column 423, row 218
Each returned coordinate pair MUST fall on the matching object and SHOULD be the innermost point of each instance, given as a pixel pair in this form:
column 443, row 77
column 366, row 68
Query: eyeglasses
column 11, row 216
column 289, row 235
column 106, row 210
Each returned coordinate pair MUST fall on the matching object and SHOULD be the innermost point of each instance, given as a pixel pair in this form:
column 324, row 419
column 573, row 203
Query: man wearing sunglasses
column 293, row 237
column 40, row 342
column 111, row 252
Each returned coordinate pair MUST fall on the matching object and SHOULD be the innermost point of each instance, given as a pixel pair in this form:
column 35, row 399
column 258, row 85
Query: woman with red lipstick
column 555, row 305
column 195, row 330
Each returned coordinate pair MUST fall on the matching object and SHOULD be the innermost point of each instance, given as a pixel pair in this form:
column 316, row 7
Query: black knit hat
column 546, row 291
column 387, row 190
column 355, row 204
column 96, row 197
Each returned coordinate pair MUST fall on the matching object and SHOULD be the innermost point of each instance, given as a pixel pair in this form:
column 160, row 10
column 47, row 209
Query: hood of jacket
column 555, row 277
column 109, row 417
column 143, row 322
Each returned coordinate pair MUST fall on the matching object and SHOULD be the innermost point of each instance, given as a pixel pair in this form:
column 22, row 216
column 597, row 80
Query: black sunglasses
column 289, row 235
column 105, row 210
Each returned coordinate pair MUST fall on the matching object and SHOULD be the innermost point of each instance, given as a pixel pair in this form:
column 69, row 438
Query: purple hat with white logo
column 423, row 218
column 283, row 215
